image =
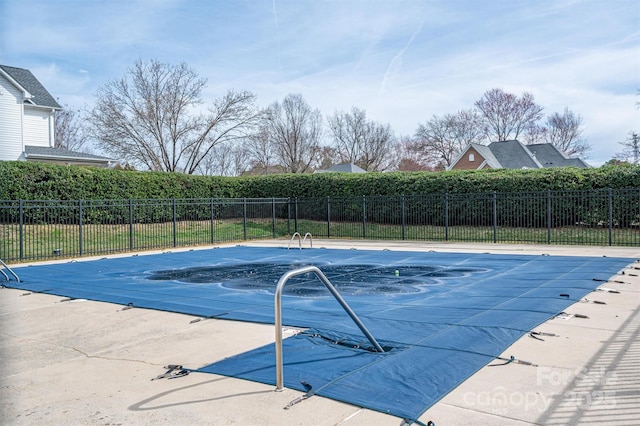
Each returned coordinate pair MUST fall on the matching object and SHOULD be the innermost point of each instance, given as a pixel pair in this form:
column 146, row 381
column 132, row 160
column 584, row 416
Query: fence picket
column 41, row 229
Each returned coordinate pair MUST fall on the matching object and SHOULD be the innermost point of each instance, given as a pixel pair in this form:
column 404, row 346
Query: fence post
column 548, row 216
column 495, row 217
column 244, row 218
column 403, row 218
column 289, row 216
column 130, row 224
column 610, row 193
column 175, row 224
column 273, row 216
column 364, row 217
column 446, row 216
column 328, row 217
column 295, row 218
column 213, row 222
column 21, row 228
column 80, row 227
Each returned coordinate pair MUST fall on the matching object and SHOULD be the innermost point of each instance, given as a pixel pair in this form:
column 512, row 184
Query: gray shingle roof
column 549, row 156
column 513, row 155
column 43, row 151
column 343, row 168
column 31, row 84
column 346, row 167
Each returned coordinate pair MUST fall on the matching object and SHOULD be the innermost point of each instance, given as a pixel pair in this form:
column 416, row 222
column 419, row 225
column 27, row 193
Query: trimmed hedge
column 40, row 181
column 453, row 182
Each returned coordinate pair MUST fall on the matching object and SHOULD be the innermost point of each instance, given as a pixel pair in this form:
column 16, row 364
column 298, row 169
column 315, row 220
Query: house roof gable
column 30, row 84
column 488, row 156
column 515, row 155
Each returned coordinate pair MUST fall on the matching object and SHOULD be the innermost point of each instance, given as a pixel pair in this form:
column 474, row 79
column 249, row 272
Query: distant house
column 513, row 155
column 27, row 113
column 343, row 168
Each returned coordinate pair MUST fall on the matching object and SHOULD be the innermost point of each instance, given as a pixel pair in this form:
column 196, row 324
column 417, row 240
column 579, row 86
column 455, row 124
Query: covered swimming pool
column 441, row 317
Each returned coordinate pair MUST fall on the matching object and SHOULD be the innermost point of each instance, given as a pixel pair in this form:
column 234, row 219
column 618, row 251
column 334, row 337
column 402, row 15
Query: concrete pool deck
column 91, row 363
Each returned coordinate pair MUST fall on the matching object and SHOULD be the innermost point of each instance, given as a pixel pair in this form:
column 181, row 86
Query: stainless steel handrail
column 308, row 234
column 301, row 240
column 295, row 234
column 278, row 315
column 10, row 271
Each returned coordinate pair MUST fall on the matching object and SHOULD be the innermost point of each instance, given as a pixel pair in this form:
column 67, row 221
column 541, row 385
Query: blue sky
column 402, row 61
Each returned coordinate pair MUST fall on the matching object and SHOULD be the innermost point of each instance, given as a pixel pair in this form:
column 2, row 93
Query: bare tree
column 534, row 134
column 564, row 131
column 348, row 132
column 468, row 127
column 69, row 130
column 508, row 116
column 380, row 154
column 327, row 157
column 367, row 144
column 443, row 138
column 226, row 159
column 631, row 150
column 260, row 150
column 295, row 131
column 150, row 117
column 412, row 158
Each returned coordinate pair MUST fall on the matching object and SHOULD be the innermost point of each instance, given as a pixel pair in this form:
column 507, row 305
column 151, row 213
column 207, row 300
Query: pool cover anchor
column 128, row 306
column 512, row 359
column 408, row 422
column 173, row 371
column 309, row 394
column 535, row 335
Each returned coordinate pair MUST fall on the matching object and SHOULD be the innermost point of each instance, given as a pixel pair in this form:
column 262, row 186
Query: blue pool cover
column 440, row 316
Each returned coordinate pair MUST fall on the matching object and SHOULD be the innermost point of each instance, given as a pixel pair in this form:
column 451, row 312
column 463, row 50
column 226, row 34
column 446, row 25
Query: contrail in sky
column 275, row 18
column 396, row 63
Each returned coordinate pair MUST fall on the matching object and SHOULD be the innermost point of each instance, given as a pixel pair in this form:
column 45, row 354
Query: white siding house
column 27, row 113
column 11, row 99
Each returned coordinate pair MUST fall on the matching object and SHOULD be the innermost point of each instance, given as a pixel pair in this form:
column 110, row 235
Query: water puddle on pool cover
column 348, row 279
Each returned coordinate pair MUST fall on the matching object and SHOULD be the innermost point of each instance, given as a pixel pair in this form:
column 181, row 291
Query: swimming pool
column 441, row 317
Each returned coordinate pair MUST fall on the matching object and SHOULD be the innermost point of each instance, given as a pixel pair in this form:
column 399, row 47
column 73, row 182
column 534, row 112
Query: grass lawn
column 41, row 242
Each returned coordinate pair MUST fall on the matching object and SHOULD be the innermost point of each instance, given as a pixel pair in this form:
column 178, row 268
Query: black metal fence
column 33, row 230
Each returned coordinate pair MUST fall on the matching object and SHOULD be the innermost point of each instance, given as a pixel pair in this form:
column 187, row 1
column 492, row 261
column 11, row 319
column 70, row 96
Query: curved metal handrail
column 10, row 271
column 308, row 234
column 301, row 240
column 278, row 315
column 295, row 234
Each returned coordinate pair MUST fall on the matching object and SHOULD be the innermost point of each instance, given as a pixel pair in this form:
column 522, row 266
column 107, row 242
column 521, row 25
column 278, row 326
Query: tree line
column 155, row 118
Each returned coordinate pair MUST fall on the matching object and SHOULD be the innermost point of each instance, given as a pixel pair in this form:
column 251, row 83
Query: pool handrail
column 5, row 266
column 295, row 234
column 301, row 240
column 278, row 316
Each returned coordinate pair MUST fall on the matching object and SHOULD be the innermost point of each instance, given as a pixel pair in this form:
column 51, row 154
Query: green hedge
column 39, row 181
column 453, row 182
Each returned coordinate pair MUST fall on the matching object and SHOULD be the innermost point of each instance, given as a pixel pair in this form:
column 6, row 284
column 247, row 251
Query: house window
column 472, row 157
